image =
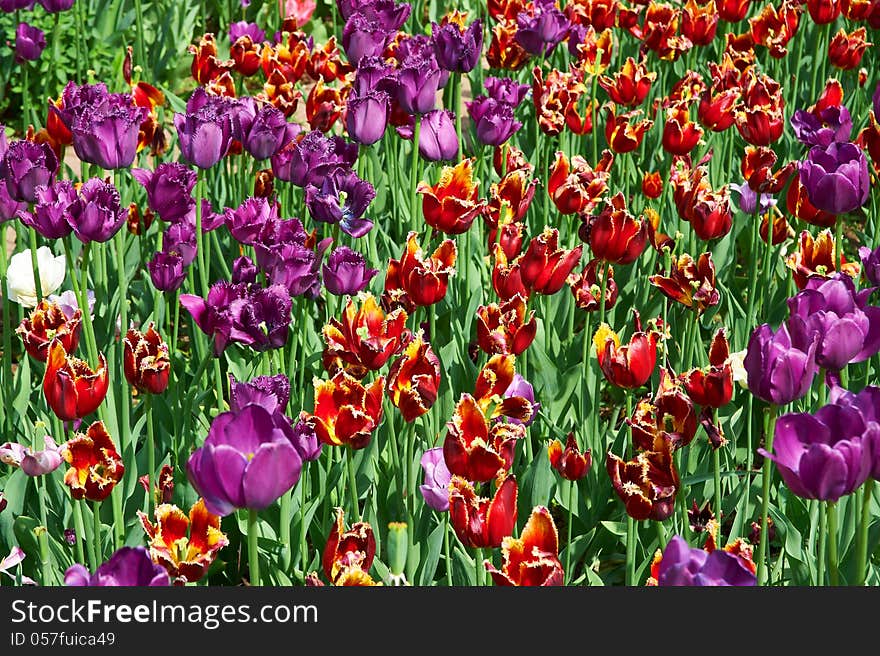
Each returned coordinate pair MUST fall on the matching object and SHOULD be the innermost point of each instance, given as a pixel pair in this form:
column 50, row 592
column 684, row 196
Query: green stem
column 122, row 281
column 79, row 550
column 831, row 508
column 596, row 406
column 585, row 374
column 568, row 572
column 631, row 527
column 151, row 454
column 765, row 495
column 25, row 98
column 96, row 535
column 716, row 476
column 303, row 528
column 838, row 243
column 139, row 37
column 862, row 546
column 414, row 176
column 6, row 385
column 447, row 554
column 352, row 484
column 478, row 567
column 42, row 532
column 459, row 80
column 284, row 529
column 823, row 544
column 35, row 265
column 253, row 553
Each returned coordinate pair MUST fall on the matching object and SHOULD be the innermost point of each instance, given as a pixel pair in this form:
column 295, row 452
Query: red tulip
column 533, row 558
column 145, row 359
column 569, row 462
column 480, row 522
column 629, row 366
column 712, row 386
column 72, row 389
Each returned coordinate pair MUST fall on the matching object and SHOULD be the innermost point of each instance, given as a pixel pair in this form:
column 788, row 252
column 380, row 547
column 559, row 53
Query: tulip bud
column 397, row 547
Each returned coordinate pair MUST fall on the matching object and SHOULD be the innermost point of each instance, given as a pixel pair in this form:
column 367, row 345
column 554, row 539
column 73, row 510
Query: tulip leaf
column 432, row 557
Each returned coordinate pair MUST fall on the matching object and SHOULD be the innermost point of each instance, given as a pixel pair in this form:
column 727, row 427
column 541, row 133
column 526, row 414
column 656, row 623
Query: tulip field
column 367, row 292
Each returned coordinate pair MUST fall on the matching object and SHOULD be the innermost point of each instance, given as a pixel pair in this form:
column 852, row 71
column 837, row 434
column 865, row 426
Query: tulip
column 364, row 35
column 504, row 50
column 96, row 214
column 712, row 386
column 107, row 133
column 95, row 464
column 25, row 166
column 263, row 321
column 848, row 329
column 56, row 6
column 480, row 522
column 184, row 545
column 365, row 339
column 145, row 360
column 249, row 221
column 435, row 490
column 128, row 566
column 293, row 266
column 342, row 198
column 72, row 389
column 493, row 120
column 569, row 462
column 418, row 82
column 822, row 127
column 415, row 280
column 50, row 210
column 457, row 48
column 169, row 190
column 576, row 187
column 504, row 328
column 355, row 546
column 167, row 271
column 747, row 200
column 629, row 366
column 682, row 565
column 270, row 392
column 437, row 139
column 367, row 116
column 615, row 235
column 32, row 463
column 248, row 460
column 587, row 287
column 533, row 558
column 205, row 129
column 544, row 267
column 667, row 419
column 540, row 29
column 414, row 379
column 452, row 205
column 870, row 264
column 29, row 43
column 346, row 272
column 520, row 388
column 691, row 283
column 346, row 413
column 647, row 484
column 262, row 130
column 781, row 364
column 631, row 85
column 244, row 270
column 47, row 322
column 825, row 455
column 836, row 177
column 506, row 90
column 817, row 257
column 20, row 286
column 622, row 132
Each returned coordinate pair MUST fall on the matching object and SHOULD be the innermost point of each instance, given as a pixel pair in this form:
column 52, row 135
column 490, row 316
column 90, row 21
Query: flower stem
column 96, row 535
column 80, row 534
column 596, row 406
column 862, row 545
column 151, row 454
column 447, row 554
column 253, row 553
column 284, row 529
column 35, row 265
column 459, row 80
column 478, row 567
column 716, row 476
column 303, row 528
column 585, row 364
column 414, row 175
column 822, row 547
column 122, row 282
column 139, row 38
column 831, row 509
column 6, row 386
column 568, row 572
column 631, row 527
column 765, row 495
column 352, row 484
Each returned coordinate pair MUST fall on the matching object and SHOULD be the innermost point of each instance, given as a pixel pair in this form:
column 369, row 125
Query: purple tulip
column 247, row 461
column 506, row 90
column 32, row 463
column 747, row 199
column 9, row 207
column 243, row 28
column 374, row 74
column 294, row 266
column 866, row 402
column 261, row 130
column 9, row 6
column 848, row 329
column 493, row 120
column 25, row 166
column 49, row 216
column 69, row 305
column 875, row 101
column 364, row 35
column 248, row 221
column 342, row 199
column 418, row 81
column 180, row 239
column 523, row 388
column 265, row 317
column 205, row 129
column 870, row 264
column 833, row 123
column 457, row 50
column 836, row 177
column 244, row 270
column 312, row 158
column 217, row 316
column 435, row 490
column 438, row 139
column 29, row 43
column 276, row 234
column 541, row 29
column 106, row 134
column 166, row 271
column 270, row 392
column 825, row 455
column 346, row 272
column 56, row 6
column 169, row 190
column 127, row 567
column 682, row 565
column 367, row 116
column 96, row 214
column 781, row 365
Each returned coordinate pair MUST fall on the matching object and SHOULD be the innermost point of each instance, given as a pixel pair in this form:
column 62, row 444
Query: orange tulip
column 452, row 204
column 95, row 464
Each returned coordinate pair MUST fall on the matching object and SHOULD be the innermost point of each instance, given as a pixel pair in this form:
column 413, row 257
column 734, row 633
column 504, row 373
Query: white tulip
column 20, row 275
column 737, row 366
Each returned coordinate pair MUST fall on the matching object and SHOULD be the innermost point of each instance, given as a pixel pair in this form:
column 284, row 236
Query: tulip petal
column 275, row 468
